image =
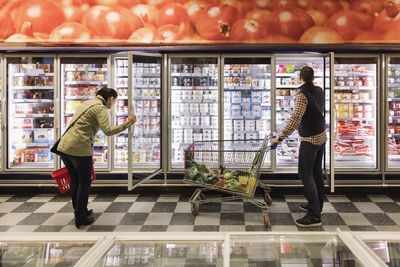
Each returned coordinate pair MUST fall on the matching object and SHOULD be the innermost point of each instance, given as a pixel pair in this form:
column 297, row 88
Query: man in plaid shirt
column 308, row 118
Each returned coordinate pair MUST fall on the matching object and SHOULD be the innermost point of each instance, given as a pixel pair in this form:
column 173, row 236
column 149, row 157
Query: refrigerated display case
column 247, row 100
column 81, row 77
column 121, row 110
column 161, row 253
column 1, row 123
column 193, row 103
column 42, row 253
column 30, row 107
column 356, row 106
column 290, row 250
column 287, row 84
column 393, row 113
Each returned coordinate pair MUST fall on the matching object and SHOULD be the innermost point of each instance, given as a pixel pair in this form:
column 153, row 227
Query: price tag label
column 35, row 72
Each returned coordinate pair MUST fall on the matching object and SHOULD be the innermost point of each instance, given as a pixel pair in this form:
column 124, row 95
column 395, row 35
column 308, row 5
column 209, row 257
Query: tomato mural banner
column 155, row 22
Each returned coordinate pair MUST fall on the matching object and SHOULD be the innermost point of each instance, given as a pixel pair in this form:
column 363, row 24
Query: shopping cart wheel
column 267, row 198
column 202, row 196
column 266, row 221
column 195, row 209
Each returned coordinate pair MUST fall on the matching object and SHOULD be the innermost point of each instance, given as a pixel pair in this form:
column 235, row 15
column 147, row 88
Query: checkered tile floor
column 172, row 212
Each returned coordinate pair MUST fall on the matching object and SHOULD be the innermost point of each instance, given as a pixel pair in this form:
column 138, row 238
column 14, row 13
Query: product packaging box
column 195, row 121
column 204, row 108
column 236, row 110
column 43, row 136
column 194, row 107
column 213, row 109
column 246, row 111
column 236, row 97
column 205, row 121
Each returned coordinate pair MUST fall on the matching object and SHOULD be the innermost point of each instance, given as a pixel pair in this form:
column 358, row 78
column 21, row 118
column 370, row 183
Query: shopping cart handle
column 273, row 146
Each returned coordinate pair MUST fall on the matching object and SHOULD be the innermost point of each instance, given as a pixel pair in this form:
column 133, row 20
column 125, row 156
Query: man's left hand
column 274, row 141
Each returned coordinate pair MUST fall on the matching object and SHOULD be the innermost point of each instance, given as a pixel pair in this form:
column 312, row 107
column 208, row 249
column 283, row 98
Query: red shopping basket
column 64, row 180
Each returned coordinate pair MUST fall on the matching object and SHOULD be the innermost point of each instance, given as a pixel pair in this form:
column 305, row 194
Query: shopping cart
column 229, row 166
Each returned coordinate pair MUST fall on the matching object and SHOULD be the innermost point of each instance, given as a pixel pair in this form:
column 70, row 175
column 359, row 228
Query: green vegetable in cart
column 233, row 184
column 255, row 160
column 200, row 180
column 228, row 175
column 192, row 172
column 202, row 167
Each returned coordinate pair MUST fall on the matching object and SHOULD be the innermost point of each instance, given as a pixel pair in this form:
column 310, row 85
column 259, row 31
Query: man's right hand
column 132, row 119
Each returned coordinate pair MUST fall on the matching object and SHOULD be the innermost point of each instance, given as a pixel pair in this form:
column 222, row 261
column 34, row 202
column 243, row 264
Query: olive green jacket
column 78, row 140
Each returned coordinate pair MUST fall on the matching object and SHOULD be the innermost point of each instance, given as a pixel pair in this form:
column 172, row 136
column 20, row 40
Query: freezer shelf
column 42, row 254
column 287, row 84
column 80, row 79
column 355, row 115
column 193, row 104
column 31, row 113
column 164, row 253
column 247, row 100
column 393, row 95
column 287, row 250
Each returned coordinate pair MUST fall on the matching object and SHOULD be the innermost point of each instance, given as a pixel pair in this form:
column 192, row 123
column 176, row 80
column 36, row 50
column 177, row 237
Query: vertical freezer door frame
column 3, row 101
column 62, row 96
column 267, row 58
column 131, row 183
column 328, row 166
column 112, row 76
column 5, row 113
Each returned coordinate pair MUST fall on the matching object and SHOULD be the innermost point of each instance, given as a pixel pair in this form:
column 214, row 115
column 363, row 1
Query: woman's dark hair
column 307, row 74
column 107, row 93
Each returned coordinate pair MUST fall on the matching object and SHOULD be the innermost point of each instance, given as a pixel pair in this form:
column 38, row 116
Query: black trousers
column 80, row 169
column 312, row 176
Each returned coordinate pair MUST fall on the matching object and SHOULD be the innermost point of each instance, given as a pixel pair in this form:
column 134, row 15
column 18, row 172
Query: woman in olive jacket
column 76, row 147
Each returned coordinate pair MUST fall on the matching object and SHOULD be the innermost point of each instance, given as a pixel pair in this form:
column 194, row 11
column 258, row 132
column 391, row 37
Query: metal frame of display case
column 221, row 89
column 103, row 242
column 3, row 125
column 378, row 169
column 385, row 118
column 109, row 83
column 5, row 115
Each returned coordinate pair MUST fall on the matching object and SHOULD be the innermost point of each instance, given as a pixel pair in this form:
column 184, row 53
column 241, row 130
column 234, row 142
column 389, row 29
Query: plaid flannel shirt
column 295, row 119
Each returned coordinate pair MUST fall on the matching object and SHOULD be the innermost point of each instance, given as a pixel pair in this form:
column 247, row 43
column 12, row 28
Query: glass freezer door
column 30, row 120
column 393, row 102
column 144, row 100
column 356, row 98
column 247, row 100
column 193, row 104
column 81, row 77
column 287, row 84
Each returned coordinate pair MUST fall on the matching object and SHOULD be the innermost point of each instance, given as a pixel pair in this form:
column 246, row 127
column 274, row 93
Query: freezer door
column 144, row 100
column 247, row 101
column 81, row 77
column 393, row 113
column 356, row 113
column 194, row 100
column 30, row 121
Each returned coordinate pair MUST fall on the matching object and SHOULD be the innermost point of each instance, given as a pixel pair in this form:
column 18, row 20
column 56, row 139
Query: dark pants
column 80, row 170
column 312, row 176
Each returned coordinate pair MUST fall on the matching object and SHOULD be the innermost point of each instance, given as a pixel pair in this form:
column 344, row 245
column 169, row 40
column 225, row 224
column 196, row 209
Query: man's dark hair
column 307, row 74
column 107, row 93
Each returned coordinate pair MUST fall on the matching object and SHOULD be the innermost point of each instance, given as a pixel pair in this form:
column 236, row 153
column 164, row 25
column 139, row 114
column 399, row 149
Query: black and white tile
column 172, row 212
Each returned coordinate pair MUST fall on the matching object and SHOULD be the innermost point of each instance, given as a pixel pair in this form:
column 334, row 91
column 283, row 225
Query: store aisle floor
column 172, row 212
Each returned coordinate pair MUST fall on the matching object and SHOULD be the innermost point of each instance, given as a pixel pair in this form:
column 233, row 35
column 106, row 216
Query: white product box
column 238, row 123
column 204, row 107
column 185, row 121
column 176, row 95
column 43, row 136
column 186, row 95
column 246, row 111
column 178, row 136
column 228, row 135
column 184, row 108
column 227, row 97
column 215, row 135
column 227, row 110
column 238, row 136
column 198, row 95
column 250, row 125
column 266, row 114
column 251, row 136
column 236, row 97
column 257, row 110
column 175, row 123
column 197, row 137
column 214, row 120
column 207, row 135
column 194, row 107
column 246, row 100
column 205, row 121
column 213, row 109
column 236, row 110
column 214, row 94
column 175, row 110
column 195, row 121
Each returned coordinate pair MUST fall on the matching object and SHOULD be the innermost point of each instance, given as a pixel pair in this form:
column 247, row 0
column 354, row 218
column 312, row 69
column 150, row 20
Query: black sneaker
column 308, row 221
column 303, row 207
